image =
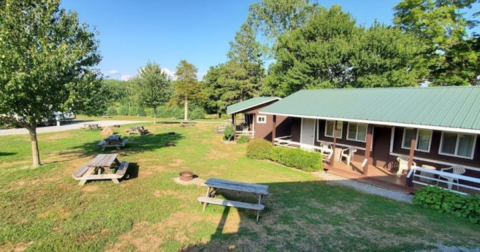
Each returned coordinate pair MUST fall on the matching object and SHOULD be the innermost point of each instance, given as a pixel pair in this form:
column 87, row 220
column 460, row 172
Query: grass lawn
column 44, row 209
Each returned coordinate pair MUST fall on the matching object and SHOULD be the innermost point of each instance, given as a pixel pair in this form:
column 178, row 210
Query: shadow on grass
column 296, row 214
column 132, row 171
column 136, row 144
column 2, row 154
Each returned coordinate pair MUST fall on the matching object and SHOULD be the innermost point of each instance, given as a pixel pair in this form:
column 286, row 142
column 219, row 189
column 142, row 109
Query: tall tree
column 244, row 71
column 272, row 18
column 331, row 51
column 452, row 54
column 153, row 86
column 187, row 87
column 46, row 64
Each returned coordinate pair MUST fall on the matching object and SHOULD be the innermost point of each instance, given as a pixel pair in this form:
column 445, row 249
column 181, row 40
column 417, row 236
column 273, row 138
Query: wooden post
column 332, row 159
column 234, row 121
column 413, row 145
column 274, row 128
column 368, row 144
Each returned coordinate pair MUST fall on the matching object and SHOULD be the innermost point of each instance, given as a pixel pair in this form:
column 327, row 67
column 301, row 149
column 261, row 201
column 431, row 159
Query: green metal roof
column 250, row 103
column 433, row 107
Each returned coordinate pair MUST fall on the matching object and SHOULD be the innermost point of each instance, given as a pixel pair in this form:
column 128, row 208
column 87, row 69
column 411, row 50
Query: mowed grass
column 44, row 209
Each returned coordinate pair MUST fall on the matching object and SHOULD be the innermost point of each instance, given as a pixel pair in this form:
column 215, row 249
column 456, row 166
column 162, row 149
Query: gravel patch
column 70, row 126
column 365, row 188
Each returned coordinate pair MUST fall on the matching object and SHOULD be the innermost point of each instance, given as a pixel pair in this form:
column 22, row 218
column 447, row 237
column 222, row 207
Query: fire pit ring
column 186, row 175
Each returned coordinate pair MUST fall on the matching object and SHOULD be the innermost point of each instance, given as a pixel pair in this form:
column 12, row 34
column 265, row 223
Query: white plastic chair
column 459, row 170
column 348, row 154
column 403, row 164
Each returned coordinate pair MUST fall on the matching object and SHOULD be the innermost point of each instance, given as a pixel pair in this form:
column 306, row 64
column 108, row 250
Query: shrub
column 243, row 139
column 111, row 111
column 141, row 111
column 297, row 158
column 228, row 133
column 259, row 149
column 196, row 113
column 133, row 111
column 465, row 206
column 124, row 110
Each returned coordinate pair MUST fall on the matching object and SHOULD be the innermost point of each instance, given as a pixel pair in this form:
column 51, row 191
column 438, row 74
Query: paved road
column 70, row 126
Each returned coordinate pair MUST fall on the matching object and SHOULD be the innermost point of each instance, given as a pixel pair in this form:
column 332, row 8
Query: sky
column 132, row 33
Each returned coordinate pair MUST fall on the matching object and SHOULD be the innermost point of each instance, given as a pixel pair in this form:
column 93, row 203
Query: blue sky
column 135, row 32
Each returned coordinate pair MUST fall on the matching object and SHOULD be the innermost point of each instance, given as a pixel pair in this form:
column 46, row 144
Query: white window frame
column 261, row 117
column 356, row 133
column 456, row 146
column 325, row 131
column 416, row 137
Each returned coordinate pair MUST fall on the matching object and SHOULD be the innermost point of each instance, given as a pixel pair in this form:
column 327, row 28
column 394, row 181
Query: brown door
column 381, row 146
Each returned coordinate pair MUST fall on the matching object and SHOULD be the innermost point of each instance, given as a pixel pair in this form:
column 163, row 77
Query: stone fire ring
column 186, row 175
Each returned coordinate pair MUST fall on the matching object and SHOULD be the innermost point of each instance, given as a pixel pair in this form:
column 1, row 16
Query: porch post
column 332, row 158
column 234, row 120
column 274, row 128
column 413, row 145
column 368, row 144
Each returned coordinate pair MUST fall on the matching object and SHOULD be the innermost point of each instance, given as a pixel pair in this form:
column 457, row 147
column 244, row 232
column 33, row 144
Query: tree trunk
column 33, row 138
column 155, row 116
column 185, row 117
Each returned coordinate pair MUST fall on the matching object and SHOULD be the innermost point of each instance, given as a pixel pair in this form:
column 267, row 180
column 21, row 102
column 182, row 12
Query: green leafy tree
column 452, row 55
column 331, row 51
column 154, row 87
column 272, row 18
column 187, row 87
column 46, row 64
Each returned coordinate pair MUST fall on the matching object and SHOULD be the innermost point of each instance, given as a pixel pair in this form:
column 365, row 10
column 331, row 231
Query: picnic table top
column 113, row 138
column 237, row 186
column 103, row 160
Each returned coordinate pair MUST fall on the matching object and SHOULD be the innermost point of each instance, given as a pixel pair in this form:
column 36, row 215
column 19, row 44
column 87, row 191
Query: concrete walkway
column 68, row 126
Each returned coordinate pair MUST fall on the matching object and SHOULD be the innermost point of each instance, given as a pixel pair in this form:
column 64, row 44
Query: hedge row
column 465, row 206
column 291, row 157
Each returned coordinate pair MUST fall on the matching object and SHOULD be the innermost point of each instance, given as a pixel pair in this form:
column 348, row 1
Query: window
column 261, row 119
column 424, row 138
column 330, row 125
column 457, row 145
column 357, row 132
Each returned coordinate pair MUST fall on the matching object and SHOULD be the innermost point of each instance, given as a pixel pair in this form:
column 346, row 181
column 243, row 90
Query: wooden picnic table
column 138, row 130
column 261, row 191
column 101, row 167
column 91, row 126
column 113, row 141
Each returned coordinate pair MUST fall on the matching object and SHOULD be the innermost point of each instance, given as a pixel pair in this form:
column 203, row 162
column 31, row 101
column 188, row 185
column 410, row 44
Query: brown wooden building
column 253, row 123
column 436, row 126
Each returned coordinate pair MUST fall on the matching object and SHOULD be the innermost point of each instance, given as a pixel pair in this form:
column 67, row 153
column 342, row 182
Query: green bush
column 196, row 113
column 297, row 158
column 111, row 111
column 132, row 111
column 228, row 133
column 141, row 111
column 259, row 149
column 243, row 139
column 465, row 206
column 124, row 110
column 169, row 112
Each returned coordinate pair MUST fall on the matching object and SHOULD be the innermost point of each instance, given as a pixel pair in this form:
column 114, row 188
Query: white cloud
column 169, row 73
column 125, row 77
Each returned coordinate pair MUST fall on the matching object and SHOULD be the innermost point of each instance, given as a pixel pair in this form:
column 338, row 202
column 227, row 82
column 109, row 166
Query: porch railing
column 425, row 176
column 286, row 141
column 249, row 133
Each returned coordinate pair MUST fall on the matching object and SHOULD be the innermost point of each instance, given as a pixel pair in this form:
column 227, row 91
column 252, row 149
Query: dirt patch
column 18, row 247
column 176, row 163
column 195, row 181
column 89, row 188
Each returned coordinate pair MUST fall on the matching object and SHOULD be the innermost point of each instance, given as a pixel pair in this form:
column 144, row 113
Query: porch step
column 370, row 180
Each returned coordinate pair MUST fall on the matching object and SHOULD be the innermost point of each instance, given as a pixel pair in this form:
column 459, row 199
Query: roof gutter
column 406, row 125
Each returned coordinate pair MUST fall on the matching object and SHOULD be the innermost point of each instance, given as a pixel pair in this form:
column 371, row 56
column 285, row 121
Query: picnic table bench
column 138, row 130
column 91, row 126
column 101, row 167
column 261, row 191
column 183, row 124
column 113, row 141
